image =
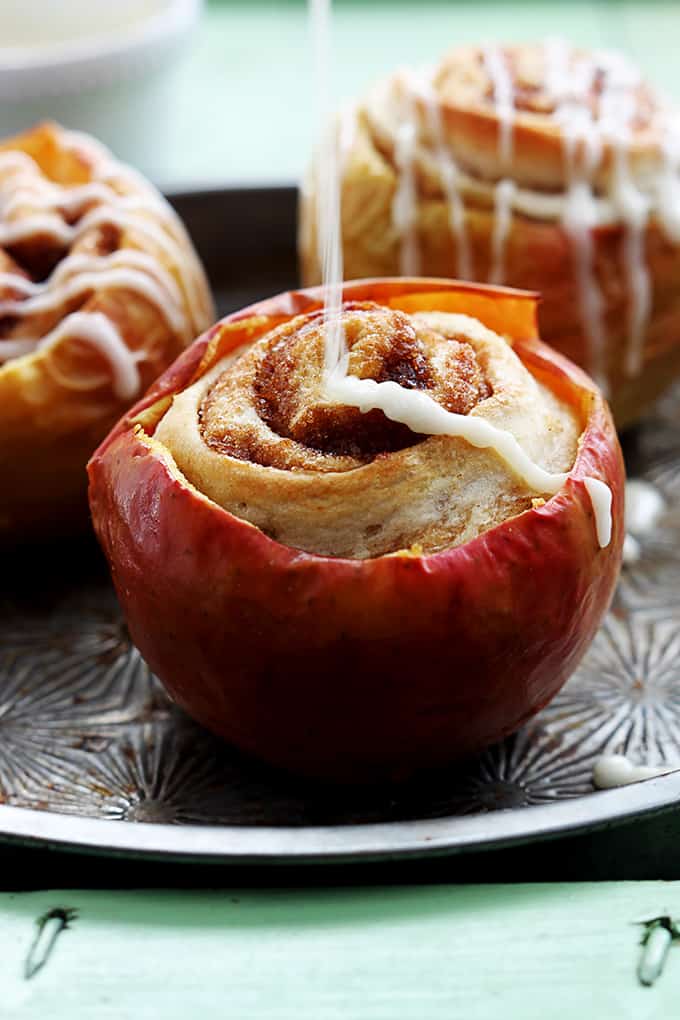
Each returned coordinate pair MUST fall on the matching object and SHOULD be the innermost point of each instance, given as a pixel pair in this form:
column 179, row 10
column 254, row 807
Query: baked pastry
column 100, row 289
column 536, row 166
column 340, row 592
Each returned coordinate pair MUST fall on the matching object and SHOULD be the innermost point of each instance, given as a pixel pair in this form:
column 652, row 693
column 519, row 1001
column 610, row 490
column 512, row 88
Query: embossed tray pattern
column 86, row 731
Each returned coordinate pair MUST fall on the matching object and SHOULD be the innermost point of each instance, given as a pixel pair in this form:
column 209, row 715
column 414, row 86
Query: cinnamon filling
column 280, row 379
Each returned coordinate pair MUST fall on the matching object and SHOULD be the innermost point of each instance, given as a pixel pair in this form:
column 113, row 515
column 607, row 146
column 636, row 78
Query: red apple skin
column 356, row 670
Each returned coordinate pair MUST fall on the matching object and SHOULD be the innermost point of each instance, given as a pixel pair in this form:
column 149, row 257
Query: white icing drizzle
column 504, row 99
column 612, row 770
column 601, row 500
column 96, row 329
column 404, row 203
column 568, row 78
column 667, row 191
column 41, row 204
column 126, row 214
column 420, row 413
column 504, row 108
column 449, row 172
column 503, row 196
column 10, row 349
column 617, row 109
column 114, row 277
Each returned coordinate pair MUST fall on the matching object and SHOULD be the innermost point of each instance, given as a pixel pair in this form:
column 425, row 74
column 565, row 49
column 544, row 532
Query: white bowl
column 97, row 66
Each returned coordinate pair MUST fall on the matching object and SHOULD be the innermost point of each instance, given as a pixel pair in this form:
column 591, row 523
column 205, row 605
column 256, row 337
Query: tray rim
column 277, row 845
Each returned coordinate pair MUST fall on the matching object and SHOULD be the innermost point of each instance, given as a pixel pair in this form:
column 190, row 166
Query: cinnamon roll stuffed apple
column 536, row 166
column 358, row 573
column 100, row 290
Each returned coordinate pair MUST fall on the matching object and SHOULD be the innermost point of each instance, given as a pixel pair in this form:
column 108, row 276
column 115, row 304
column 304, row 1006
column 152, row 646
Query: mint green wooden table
column 531, row 952
column 352, row 944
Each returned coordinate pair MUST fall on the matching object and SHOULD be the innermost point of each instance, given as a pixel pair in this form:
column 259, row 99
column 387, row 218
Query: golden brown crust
column 464, row 88
column 99, row 251
column 539, row 251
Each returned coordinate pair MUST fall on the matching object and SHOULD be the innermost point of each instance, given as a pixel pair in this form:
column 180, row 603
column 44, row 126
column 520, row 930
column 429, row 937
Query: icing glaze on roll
column 479, row 152
column 404, row 207
column 450, row 172
column 37, row 213
column 95, row 329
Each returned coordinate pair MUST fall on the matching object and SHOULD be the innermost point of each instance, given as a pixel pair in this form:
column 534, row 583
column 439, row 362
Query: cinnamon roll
column 100, row 289
column 537, row 166
column 357, row 573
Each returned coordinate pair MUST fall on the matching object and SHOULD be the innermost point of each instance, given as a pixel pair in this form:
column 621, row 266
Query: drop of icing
column 612, row 770
column 644, row 504
column 632, row 550
column 601, row 500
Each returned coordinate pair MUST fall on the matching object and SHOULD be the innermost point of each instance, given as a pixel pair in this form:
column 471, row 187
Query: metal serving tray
column 93, row 756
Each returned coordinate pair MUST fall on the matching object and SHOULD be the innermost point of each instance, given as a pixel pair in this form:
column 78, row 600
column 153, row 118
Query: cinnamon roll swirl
column 259, row 436
column 360, row 571
column 100, row 289
column 537, row 166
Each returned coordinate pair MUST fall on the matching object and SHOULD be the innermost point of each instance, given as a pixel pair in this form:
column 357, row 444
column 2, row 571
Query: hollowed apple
column 357, row 669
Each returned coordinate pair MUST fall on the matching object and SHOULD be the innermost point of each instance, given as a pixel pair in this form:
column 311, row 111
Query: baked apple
column 333, row 588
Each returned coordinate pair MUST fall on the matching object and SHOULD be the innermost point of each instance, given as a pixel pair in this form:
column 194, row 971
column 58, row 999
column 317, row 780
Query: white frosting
column 617, row 110
column 450, row 175
column 612, row 770
column 123, row 277
column 40, row 206
column 667, row 183
column 601, row 500
column 422, row 414
column 644, row 504
column 504, row 105
column 97, row 330
column 404, row 204
column 503, row 196
column 632, row 550
column 10, row 349
column 569, row 77
column 504, row 99
column 578, row 219
column 570, row 82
